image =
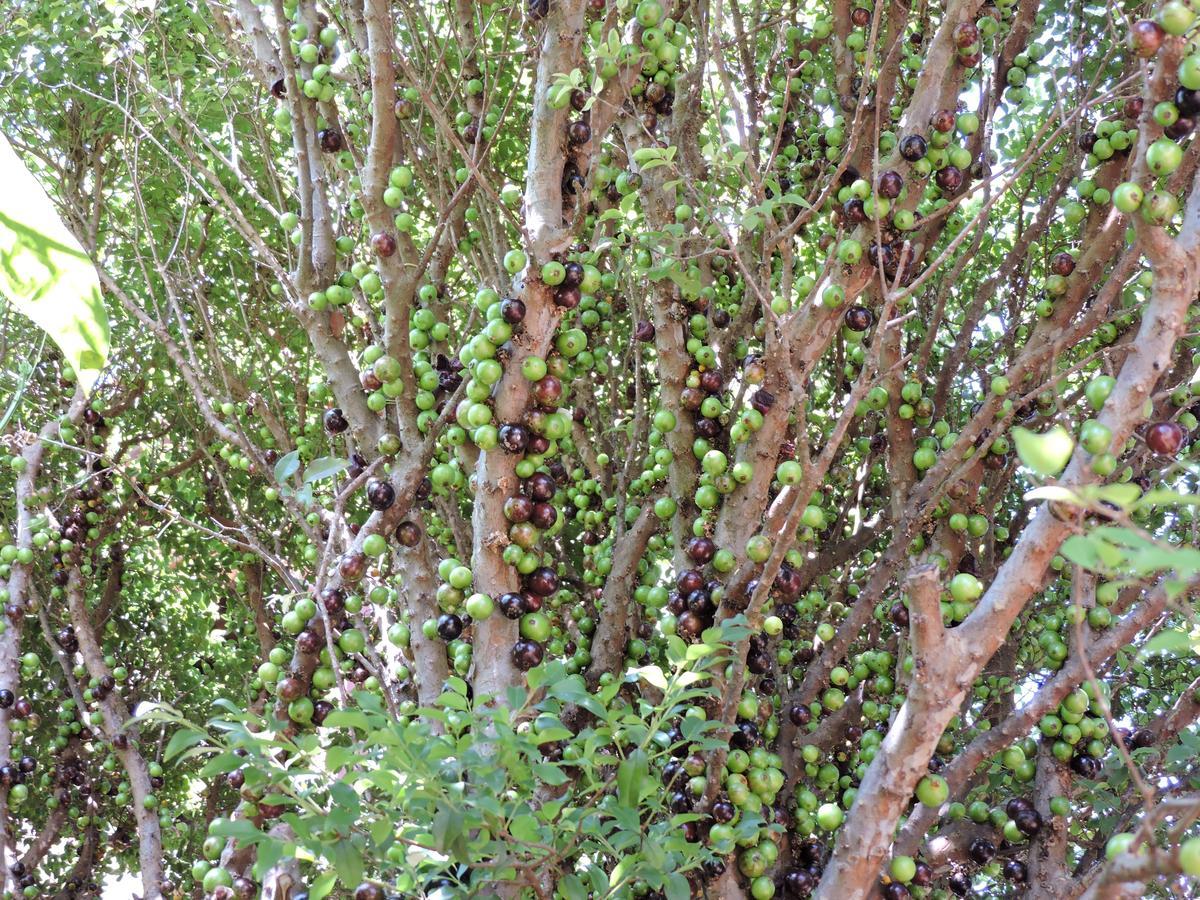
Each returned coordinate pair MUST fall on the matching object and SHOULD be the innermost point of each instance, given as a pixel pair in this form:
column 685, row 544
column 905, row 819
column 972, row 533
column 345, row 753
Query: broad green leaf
column 1045, row 454
column 241, row 829
column 572, row 689
column 652, row 675
column 46, row 275
column 325, row 467
column 447, row 826
column 286, row 467
column 524, row 828
column 654, row 854
column 222, row 764
column 348, row 861
column 180, row 741
column 1092, row 552
column 629, row 777
column 268, row 854
column 676, row 887
column 573, row 888
column 347, row 718
column 1120, row 494
column 1162, row 497
column 551, row 774
column 1172, row 642
column 381, row 830
column 320, row 888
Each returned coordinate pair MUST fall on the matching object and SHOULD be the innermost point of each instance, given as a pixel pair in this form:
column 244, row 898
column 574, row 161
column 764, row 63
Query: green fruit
column 535, row 627
column 479, row 606
column 1128, row 197
column 1117, row 844
column 352, row 641
column 965, row 587
column 1189, row 857
column 830, row 816
column 903, row 868
column 301, row 710
column 553, row 273
column 1096, row 438
column 762, row 887
column 758, row 548
column 215, row 878
column 514, row 261
column 933, row 790
column 1099, row 389
column 1164, row 156
column 1176, row 17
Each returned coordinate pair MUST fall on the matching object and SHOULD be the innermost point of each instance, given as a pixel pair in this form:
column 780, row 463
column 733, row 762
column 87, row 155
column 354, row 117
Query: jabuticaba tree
column 607, row 448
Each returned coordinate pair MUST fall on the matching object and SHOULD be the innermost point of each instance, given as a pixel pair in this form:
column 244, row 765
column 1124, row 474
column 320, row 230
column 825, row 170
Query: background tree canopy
column 600, row 448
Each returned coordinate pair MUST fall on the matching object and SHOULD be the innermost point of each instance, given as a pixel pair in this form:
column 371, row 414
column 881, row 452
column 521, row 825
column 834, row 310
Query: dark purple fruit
column 949, row 179
column 449, row 626
column 1014, row 870
column 380, row 494
column 513, row 437
column 527, row 654
column 981, row 850
column 914, row 147
column 408, row 534
column 512, row 606
column 1165, row 438
column 890, row 185
column 335, row 422
column 331, row 140
column 512, row 311
column 859, row 318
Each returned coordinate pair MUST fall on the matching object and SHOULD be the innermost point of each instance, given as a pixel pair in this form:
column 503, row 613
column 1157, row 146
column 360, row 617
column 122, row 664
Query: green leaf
column 346, row 797
column 268, row 854
column 447, row 826
column 1170, row 643
column 652, row 675
column 1162, row 497
column 653, row 853
column 221, row 765
column 381, row 831
column 1090, row 552
column 1119, row 494
column 180, row 741
column 320, row 888
column 45, row 273
column 1045, row 454
column 452, row 701
column 550, row 774
column 630, row 773
column 240, row 829
column 287, row 466
column 676, row 887
column 348, row 862
column 325, row 467
column 572, row 689
column 524, row 828
column 347, row 718
column 573, row 888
